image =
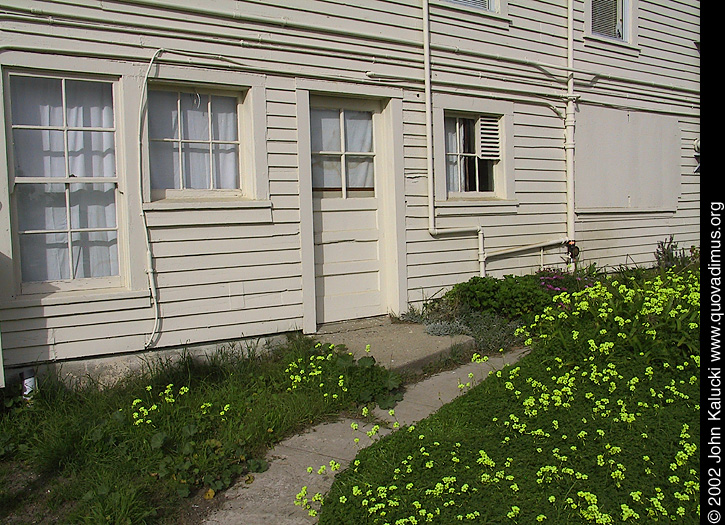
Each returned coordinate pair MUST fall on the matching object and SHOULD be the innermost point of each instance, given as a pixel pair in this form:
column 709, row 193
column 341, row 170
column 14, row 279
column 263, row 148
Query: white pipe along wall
column 568, row 145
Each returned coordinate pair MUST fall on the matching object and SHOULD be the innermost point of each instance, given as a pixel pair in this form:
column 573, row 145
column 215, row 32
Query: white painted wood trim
column 307, row 236
column 392, row 210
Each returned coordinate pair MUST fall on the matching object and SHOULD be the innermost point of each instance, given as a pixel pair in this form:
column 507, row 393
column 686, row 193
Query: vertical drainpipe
column 429, row 145
column 570, row 121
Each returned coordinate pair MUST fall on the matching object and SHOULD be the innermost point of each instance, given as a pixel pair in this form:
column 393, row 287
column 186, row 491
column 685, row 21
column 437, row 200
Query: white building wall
column 228, row 270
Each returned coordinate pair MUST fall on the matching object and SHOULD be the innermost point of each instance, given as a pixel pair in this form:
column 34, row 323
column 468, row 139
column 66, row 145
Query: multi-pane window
column 65, row 180
column 472, row 152
column 608, row 18
column 343, row 156
column 193, row 141
column 487, row 5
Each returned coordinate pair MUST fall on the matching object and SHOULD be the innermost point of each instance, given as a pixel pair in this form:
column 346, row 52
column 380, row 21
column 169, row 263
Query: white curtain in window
column 359, row 138
column 44, row 209
column 225, row 165
column 451, row 132
column 37, row 102
column 90, row 105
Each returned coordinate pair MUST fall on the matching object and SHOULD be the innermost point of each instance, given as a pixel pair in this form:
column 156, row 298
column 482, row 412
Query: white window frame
column 243, row 163
column 474, row 107
column 72, row 284
column 492, row 155
column 342, row 105
column 629, row 24
column 252, row 121
column 498, row 8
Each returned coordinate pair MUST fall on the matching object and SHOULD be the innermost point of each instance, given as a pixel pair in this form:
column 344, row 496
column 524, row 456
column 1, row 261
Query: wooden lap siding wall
column 228, row 268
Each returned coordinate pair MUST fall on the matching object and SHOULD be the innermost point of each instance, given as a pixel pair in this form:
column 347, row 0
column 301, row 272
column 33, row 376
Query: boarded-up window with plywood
column 626, row 160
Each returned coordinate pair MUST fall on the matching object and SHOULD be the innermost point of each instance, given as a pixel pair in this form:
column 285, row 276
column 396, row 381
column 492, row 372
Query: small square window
column 193, row 141
column 343, row 156
column 472, row 153
column 608, row 18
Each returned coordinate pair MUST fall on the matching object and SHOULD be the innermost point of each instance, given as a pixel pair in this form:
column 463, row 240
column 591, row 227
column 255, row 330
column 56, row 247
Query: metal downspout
column 569, row 122
column 429, row 145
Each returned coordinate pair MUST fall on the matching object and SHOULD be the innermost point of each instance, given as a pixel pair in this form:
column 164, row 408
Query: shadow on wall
column 21, row 347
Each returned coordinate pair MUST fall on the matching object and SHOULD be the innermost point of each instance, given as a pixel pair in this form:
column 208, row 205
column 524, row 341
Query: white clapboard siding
column 226, row 273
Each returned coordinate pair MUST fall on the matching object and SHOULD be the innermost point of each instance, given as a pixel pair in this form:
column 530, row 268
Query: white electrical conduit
column 432, row 229
column 149, row 257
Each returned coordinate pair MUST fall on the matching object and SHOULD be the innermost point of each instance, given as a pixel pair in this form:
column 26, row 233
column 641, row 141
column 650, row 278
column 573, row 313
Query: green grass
column 598, row 424
column 134, row 452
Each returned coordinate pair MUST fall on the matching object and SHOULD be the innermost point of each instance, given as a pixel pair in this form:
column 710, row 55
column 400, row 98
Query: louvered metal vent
column 480, row 4
column 607, row 17
column 489, row 146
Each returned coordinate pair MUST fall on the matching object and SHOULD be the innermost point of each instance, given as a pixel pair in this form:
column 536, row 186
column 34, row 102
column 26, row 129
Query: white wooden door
column 347, row 259
column 345, row 162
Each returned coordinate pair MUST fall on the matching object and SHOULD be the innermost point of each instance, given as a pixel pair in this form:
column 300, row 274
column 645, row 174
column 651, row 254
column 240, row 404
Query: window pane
column 469, row 135
column 326, row 171
column 89, row 104
column 325, row 130
column 38, row 153
column 195, row 159
column 36, row 101
column 360, row 172
column 95, row 254
column 469, row 173
column 163, row 115
column 93, row 205
column 164, row 164
column 451, row 135
column 41, row 207
column 452, row 179
column 226, row 158
column 485, row 175
column 194, row 116
column 44, row 257
column 91, row 154
column 358, row 131
column 224, row 118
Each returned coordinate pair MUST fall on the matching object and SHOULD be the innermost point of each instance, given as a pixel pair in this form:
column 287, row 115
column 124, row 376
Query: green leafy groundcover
column 131, row 453
column 598, row 424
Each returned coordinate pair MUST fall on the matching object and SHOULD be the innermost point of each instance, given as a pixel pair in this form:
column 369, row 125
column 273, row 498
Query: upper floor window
column 472, row 153
column 609, row 18
column 343, row 152
column 193, row 141
column 65, row 183
column 486, row 5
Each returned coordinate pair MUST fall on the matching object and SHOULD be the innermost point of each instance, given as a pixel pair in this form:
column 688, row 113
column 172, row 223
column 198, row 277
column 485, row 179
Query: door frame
column 390, row 191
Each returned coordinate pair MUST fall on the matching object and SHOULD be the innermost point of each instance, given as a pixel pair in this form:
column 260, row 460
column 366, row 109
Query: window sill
column 476, row 206
column 217, row 211
column 74, row 297
column 603, row 42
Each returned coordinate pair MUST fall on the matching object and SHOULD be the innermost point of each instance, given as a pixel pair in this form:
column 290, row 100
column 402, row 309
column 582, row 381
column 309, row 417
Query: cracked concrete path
column 269, row 498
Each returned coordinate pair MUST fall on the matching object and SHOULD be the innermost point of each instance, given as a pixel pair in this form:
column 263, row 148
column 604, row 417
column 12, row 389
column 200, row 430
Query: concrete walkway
column 269, row 498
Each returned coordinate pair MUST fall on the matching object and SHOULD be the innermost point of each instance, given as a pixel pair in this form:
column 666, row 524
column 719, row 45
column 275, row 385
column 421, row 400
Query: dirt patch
column 29, row 497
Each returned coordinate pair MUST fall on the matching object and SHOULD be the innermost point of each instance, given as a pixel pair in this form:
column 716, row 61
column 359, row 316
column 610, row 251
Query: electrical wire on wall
column 149, row 256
